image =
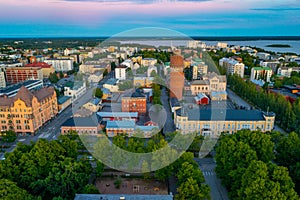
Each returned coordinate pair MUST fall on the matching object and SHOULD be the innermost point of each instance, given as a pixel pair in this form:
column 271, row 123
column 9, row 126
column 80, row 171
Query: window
column 18, row 121
column 19, row 127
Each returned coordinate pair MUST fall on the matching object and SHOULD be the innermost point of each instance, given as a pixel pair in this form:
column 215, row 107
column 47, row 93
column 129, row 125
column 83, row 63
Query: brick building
column 135, row 102
column 176, row 76
column 20, row 74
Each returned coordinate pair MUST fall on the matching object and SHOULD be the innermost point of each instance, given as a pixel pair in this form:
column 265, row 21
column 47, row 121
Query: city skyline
column 88, row 18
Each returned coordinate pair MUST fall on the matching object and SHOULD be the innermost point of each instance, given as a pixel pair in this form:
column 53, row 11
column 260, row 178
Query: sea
column 294, row 44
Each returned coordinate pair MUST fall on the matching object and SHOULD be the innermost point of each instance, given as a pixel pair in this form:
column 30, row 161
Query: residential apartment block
column 287, row 71
column 261, row 73
column 120, row 72
column 60, row 64
column 46, row 68
column 20, row 74
column 27, row 111
column 232, row 66
column 199, row 68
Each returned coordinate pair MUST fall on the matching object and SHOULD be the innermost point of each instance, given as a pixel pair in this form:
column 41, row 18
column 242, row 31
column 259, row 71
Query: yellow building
column 46, row 68
column 213, row 122
column 27, row 111
column 143, row 81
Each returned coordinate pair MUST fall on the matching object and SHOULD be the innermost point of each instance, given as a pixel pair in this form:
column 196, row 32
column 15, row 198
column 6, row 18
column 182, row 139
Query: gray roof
column 221, row 115
column 134, row 95
column 17, row 86
column 117, row 197
column 81, row 122
column 200, row 82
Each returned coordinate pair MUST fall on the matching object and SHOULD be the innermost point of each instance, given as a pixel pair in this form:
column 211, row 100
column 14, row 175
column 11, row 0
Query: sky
column 72, row 18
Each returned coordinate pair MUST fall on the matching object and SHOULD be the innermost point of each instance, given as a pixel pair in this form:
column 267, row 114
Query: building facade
column 82, row 125
column 120, row 72
column 143, row 81
column 261, row 73
column 60, row 64
column 76, row 91
column 46, row 68
column 213, row 123
column 27, row 111
column 232, row 66
column 20, row 74
column 2, row 80
column 135, row 102
column 148, row 62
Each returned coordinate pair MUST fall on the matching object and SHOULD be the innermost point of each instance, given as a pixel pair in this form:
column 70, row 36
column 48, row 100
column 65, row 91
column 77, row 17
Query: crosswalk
column 208, row 173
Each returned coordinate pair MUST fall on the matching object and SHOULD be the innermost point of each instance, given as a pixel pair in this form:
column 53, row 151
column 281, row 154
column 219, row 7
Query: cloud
column 275, row 9
column 136, row 1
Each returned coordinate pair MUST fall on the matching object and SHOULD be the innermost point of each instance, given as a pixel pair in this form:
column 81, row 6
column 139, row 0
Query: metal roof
column 221, row 115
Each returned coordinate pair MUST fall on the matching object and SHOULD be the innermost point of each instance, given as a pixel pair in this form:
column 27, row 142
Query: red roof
column 38, row 64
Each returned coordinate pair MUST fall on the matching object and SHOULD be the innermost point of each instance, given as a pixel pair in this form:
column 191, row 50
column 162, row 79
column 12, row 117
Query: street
column 51, row 129
column 169, row 125
column 217, row 190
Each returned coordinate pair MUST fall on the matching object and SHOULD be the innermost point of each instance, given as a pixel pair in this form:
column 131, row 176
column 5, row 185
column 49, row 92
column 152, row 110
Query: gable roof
column 25, row 95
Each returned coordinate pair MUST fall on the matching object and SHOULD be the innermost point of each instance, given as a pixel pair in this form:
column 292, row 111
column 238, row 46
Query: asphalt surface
column 51, row 130
column 217, row 190
column 169, row 125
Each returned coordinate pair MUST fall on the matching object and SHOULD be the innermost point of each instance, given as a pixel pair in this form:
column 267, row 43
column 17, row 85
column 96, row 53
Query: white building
column 270, row 63
column 232, row 66
column 128, row 63
column 199, row 68
column 61, row 64
column 194, row 44
column 263, row 56
column 76, row 91
column 2, row 80
column 287, row 71
column 120, row 72
column 261, row 73
column 222, row 45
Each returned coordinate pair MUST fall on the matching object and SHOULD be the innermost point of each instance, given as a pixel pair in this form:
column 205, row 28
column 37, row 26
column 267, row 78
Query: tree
column 188, row 170
column 9, row 136
column 266, row 181
column 9, row 190
column 288, row 150
column 53, row 78
column 98, row 93
column 99, row 168
column 90, row 189
column 191, row 190
column 105, row 72
column 61, row 74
